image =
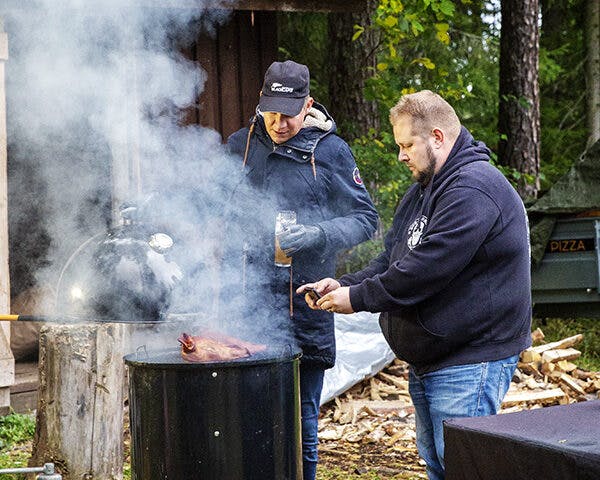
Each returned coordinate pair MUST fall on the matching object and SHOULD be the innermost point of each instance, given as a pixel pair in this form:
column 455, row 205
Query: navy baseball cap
column 286, row 86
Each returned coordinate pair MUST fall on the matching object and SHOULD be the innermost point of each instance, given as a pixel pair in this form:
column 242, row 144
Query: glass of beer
column 283, row 221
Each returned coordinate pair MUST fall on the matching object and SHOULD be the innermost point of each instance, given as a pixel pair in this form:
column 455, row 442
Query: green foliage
column 15, row 428
column 384, row 176
column 450, row 50
column 303, row 38
column 562, row 87
column 452, row 47
column 434, row 45
column 558, row 328
column 410, row 33
column 14, row 458
column 358, row 257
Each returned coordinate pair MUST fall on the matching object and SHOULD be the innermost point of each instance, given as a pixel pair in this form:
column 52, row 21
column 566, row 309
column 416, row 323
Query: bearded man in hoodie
column 453, row 283
column 293, row 160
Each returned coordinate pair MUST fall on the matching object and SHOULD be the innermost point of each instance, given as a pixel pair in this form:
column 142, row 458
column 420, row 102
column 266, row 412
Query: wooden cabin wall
column 235, row 60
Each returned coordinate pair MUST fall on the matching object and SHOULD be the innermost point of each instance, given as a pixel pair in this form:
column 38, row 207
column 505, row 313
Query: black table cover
column 561, row 443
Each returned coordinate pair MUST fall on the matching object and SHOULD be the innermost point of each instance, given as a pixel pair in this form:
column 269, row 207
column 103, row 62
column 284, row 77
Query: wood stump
column 79, row 424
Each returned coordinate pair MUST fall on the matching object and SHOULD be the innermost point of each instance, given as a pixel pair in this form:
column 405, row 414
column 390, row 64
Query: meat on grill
column 212, row 347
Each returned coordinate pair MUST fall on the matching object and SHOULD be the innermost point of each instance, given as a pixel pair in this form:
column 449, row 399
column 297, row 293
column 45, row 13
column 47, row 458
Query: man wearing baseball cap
column 285, row 89
column 293, row 160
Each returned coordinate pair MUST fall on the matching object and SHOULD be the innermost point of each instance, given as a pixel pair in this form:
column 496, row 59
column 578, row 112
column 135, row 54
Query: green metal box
column 567, row 281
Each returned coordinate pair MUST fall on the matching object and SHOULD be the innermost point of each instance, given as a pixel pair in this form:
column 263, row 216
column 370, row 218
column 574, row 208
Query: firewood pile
column 373, row 418
column 376, row 414
column 547, row 375
column 366, row 412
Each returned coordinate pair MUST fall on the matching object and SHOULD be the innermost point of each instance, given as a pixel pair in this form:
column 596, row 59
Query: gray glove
column 301, row 237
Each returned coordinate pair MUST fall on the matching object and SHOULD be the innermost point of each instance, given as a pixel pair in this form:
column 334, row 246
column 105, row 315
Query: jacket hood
column 317, row 125
column 465, row 150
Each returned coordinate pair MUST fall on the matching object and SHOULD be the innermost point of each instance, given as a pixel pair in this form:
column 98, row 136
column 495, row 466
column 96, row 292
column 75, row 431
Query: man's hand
column 334, row 297
column 300, row 237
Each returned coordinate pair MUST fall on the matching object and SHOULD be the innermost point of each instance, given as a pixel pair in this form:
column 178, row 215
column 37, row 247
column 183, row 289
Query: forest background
column 453, row 48
column 456, row 49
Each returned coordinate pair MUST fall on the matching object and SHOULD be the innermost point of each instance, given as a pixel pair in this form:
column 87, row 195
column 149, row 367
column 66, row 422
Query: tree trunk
column 519, row 111
column 79, row 424
column 352, row 63
column 593, row 70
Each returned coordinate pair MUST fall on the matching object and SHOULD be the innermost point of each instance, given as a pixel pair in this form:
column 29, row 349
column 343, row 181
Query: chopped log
column 537, row 397
column 565, row 366
column 532, row 384
column 571, row 383
column 583, row 375
column 347, row 413
column 529, row 368
column 588, row 385
column 555, row 375
column 560, row 354
column 398, row 369
column 518, row 376
column 374, row 390
column 531, row 356
column 397, row 381
column 385, row 389
column 537, row 335
column 564, row 343
column 79, row 424
column 548, row 368
column 400, row 408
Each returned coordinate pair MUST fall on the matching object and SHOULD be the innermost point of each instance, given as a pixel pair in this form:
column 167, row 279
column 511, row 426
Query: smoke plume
column 95, row 95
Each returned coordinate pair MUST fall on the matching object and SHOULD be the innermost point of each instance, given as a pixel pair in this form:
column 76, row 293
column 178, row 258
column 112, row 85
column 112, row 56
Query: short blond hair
column 428, row 110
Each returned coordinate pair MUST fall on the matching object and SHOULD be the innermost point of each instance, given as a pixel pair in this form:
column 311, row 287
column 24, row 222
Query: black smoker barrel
column 234, row 420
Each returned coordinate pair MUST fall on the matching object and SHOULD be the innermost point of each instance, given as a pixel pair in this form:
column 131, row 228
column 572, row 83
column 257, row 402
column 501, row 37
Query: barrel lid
column 171, row 358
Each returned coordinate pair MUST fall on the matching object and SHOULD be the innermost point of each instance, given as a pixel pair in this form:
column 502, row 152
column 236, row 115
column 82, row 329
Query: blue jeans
column 473, row 390
column 311, row 385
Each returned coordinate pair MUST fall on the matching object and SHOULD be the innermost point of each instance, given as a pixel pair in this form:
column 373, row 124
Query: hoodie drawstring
column 291, row 294
column 312, row 163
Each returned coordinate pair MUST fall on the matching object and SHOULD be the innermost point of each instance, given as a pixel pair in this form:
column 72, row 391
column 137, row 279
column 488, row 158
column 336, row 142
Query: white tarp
column 361, row 353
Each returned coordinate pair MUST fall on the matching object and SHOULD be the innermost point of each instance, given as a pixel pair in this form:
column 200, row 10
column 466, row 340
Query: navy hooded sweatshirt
column 454, row 280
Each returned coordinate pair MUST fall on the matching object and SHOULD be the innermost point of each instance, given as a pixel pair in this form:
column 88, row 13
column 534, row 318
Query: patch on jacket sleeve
column 356, row 176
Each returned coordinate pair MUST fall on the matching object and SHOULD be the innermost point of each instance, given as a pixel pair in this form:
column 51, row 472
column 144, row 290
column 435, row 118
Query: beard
column 424, row 176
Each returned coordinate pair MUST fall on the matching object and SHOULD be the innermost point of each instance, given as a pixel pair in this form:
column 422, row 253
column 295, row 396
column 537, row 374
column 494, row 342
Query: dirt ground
column 345, row 461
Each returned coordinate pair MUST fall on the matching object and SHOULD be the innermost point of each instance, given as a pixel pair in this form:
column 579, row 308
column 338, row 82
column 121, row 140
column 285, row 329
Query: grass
column 558, row 328
column 15, row 428
column 16, row 433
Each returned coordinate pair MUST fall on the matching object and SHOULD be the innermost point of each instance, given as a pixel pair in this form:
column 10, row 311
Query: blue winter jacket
column 454, row 280
column 327, row 192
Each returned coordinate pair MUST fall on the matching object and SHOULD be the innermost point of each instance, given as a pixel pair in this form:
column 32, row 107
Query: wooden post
column 7, row 361
column 80, row 401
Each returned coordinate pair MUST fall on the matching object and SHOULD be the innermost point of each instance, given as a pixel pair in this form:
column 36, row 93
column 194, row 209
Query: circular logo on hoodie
column 356, row 176
column 415, row 231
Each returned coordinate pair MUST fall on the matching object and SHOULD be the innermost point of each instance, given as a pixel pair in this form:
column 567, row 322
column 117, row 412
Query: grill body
column 235, row 420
